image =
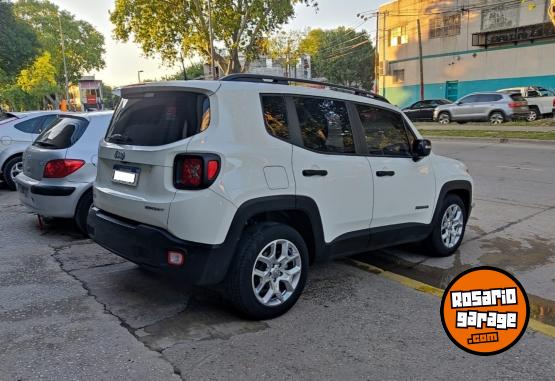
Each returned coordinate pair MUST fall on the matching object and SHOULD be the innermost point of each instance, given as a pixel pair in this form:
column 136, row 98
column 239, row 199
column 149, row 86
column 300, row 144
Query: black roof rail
column 259, row 78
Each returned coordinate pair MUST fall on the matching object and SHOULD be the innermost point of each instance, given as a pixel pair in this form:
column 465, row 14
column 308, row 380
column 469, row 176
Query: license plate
column 126, row 175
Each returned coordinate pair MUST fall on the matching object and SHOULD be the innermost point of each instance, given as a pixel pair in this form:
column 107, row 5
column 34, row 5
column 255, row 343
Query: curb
column 533, row 324
column 491, row 140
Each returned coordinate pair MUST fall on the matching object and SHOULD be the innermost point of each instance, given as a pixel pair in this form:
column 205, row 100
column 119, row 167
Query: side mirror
column 421, row 149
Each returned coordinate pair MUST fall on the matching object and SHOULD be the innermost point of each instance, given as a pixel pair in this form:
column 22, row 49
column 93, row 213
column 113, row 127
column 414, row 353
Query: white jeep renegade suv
column 243, row 182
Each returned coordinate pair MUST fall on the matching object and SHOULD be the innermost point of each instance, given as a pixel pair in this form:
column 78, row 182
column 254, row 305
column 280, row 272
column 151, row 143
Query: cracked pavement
column 71, row 310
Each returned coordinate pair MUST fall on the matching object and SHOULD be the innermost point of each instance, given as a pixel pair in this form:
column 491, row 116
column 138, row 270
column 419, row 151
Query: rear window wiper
column 118, row 138
column 46, row 144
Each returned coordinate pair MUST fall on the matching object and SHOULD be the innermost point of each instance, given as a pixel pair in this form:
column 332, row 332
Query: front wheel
column 82, row 212
column 448, row 233
column 269, row 271
column 444, row 118
column 533, row 115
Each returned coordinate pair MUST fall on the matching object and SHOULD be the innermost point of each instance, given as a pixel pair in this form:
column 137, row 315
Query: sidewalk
column 430, row 126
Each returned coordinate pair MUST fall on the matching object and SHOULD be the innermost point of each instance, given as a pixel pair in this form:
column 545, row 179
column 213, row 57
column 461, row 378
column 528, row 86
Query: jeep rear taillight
column 58, row 169
column 193, row 172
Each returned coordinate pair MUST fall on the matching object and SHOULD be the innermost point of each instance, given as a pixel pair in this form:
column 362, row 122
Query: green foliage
column 170, row 27
column 84, row 45
column 18, row 44
column 341, row 55
column 194, row 71
column 39, row 79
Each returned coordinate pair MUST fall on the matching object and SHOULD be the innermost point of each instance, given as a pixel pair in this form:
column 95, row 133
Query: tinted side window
column 45, row 123
column 469, row 99
column 64, row 133
column 325, row 125
column 489, row 98
column 30, row 125
column 275, row 116
column 385, row 132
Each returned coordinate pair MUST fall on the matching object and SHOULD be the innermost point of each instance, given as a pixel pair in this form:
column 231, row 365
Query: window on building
column 399, row 76
column 445, row 26
column 398, row 36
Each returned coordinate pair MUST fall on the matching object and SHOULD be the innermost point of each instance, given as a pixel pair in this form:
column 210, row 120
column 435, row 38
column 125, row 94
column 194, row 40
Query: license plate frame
column 122, row 173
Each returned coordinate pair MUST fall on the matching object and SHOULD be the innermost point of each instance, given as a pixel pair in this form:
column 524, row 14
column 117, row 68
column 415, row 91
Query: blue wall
column 407, row 95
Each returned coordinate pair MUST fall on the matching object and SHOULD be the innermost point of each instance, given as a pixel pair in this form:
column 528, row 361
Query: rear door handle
column 385, row 173
column 314, row 172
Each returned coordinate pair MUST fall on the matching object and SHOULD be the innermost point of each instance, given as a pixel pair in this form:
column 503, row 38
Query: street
column 71, row 310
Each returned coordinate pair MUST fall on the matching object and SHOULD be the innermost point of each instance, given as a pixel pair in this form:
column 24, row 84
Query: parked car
column 242, row 183
column 540, row 101
column 496, row 108
column 17, row 132
column 423, row 111
column 60, row 167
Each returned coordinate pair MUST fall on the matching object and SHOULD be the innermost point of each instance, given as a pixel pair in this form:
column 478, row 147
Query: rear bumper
column 147, row 246
column 519, row 115
column 49, row 199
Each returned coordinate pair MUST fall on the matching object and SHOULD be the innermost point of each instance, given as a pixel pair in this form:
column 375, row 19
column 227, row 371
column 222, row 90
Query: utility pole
column 384, row 36
column 211, row 32
column 139, row 75
column 377, row 56
column 64, row 56
column 421, row 60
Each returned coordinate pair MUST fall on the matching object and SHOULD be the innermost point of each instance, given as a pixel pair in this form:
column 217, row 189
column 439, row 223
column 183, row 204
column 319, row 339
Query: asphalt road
column 70, row 310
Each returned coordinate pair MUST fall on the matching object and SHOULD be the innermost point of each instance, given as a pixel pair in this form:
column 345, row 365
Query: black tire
column 8, row 169
column 82, row 212
column 239, row 283
column 534, row 114
column 445, row 116
column 434, row 243
column 496, row 116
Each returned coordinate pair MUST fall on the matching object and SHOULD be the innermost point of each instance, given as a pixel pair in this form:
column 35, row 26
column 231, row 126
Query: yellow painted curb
column 533, row 324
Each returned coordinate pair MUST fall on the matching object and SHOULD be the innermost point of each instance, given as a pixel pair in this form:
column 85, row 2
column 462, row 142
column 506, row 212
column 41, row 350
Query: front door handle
column 385, row 173
column 314, row 172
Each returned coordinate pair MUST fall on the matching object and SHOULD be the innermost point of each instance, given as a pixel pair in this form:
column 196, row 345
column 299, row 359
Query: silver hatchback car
column 59, row 169
column 478, row 107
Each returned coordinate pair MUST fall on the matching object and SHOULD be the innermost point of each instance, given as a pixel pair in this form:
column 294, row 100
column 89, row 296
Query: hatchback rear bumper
column 148, row 246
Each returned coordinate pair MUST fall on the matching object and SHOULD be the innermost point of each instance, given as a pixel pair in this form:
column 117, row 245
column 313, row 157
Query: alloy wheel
column 452, row 226
column 496, row 119
column 276, row 273
column 532, row 116
column 16, row 170
column 444, row 119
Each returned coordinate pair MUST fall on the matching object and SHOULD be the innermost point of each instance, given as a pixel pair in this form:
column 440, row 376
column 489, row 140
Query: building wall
column 454, row 58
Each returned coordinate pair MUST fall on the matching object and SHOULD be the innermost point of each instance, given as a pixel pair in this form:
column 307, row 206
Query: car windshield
column 62, row 133
column 517, row 98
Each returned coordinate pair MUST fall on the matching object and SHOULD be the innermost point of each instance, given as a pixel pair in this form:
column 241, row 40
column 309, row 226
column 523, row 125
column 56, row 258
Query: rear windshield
column 155, row 119
column 6, row 117
column 517, row 98
column 62, row 133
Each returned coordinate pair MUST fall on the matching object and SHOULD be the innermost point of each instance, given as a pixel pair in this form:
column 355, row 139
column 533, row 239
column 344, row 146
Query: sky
column 124, row 60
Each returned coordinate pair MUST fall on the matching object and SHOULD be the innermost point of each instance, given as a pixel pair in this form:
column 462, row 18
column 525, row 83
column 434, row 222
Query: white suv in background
column 243, row 182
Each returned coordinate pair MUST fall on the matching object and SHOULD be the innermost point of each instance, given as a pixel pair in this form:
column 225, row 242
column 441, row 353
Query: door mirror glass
column 422, row 148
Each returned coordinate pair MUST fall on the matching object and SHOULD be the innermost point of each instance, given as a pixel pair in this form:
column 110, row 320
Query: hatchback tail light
column 57, row 169
column 517, row 104
column 193, row 172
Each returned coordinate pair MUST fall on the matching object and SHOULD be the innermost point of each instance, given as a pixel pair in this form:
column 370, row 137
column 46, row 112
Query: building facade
column 466, row 45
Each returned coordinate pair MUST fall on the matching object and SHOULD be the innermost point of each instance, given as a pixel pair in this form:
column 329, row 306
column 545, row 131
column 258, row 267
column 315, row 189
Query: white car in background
column 17, row 132
column 541, row 101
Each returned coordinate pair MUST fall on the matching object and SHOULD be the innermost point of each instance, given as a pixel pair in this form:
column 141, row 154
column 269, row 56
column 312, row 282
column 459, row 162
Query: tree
column 193, row 71
column 84, row 45
column 343, row 56
column 39, row 80
column 19, row 45
column 285, row 46
column 170, row 27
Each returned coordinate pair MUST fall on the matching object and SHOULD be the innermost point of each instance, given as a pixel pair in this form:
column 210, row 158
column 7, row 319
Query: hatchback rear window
column 518, row 98
column 63, row 133
column 155, row 119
